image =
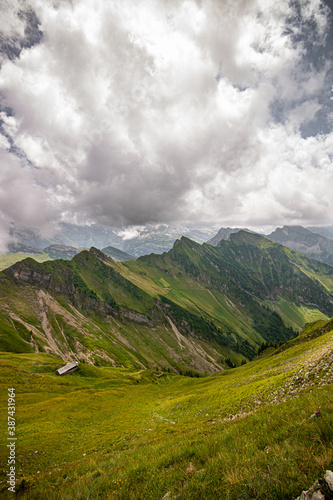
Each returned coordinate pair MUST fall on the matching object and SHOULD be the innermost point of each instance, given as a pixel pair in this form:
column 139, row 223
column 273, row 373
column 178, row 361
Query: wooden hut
column 69, row 368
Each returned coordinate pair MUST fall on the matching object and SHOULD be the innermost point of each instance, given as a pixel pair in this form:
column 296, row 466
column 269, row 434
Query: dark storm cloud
column 129, row 113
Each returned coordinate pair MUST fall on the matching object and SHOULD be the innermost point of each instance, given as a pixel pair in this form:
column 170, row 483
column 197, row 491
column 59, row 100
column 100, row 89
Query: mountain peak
column 294, row 229
column 225, row 234
column 244, row 236
column 303, row 240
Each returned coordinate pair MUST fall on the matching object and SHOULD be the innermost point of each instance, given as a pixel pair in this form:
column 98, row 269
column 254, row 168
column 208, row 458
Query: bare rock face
column 320, row 490
column 30, row 275
column 138, row 318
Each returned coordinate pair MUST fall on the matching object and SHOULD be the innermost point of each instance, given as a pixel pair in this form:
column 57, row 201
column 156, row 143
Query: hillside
column 86, row 310
column 245, row 277
column 326, row 231
column 263, row 430
column 9, row 259
column 300, row 239
column 18, row 252
column 196, row 309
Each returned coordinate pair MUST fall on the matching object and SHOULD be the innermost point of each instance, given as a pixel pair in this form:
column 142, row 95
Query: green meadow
column 262, row 430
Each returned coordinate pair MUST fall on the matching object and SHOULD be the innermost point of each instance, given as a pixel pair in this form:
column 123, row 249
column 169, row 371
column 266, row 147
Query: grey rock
column 315, row 492
column 329, row 479
column 318, row 496
column 308, row 495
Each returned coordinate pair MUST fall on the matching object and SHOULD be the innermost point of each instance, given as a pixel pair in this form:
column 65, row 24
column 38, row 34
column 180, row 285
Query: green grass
column 297, row 316
column 8, row 259
column 125, row 432
column 113, row 433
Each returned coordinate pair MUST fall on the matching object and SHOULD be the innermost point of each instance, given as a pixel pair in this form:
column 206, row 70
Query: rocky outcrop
column 28, row 272
column 138, row 318
column 63, row 284
column 30, row 275
column 320, row 490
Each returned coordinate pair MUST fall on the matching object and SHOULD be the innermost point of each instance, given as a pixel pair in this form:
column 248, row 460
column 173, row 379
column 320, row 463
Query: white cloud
column 22, row 199
column 129, row 233
column 10, row 23
column 120, row 110
column 4, row 143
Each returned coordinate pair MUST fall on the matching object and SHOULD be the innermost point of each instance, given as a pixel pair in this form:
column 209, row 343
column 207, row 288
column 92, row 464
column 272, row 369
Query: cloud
column 22, row 199
column 133, row 113
column 19, row 28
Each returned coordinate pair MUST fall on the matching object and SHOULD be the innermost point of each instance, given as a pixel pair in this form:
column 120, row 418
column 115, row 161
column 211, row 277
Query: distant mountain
column 17, row 251
column 52, row 252
column 160, row 238
column 305, row 241
column 327, row 232
column 193, row 309
column 137, row 241
column 224, row 234
column 21, row 248
column 62, row 251
column 116, row 254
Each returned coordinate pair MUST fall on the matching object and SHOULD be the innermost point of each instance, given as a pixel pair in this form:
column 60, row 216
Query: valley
column 166, row 250
column 263, row 430
column 205, row 371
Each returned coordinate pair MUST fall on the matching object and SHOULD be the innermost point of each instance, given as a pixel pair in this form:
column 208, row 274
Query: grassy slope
column 225, row 300
column 109, row 433
column 95, row 335
column 9, row 259
column 161, row 275
column 210, row 279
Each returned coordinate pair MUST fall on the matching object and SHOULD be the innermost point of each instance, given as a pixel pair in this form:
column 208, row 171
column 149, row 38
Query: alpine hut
column 70, row 367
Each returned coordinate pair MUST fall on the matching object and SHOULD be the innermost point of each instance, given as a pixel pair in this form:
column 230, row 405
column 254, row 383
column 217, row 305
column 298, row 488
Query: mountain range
column 64, row 252
column 69, row 239
column 193, row 377
column 224, row 234
column 137, row 241
column 195, row 309
column 303, row 240
column 308, row 241
column 262, row 430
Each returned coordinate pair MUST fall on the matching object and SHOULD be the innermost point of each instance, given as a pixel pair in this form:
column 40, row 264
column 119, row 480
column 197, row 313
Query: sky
column 125, row 113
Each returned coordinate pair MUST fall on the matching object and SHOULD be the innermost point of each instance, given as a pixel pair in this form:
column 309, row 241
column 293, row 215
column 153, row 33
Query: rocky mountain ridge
column 316, row 243
column 196, row 308
column 305, row 241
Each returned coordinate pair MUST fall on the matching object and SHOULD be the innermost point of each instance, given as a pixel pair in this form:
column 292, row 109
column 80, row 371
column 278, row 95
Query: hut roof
column 70, row 367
